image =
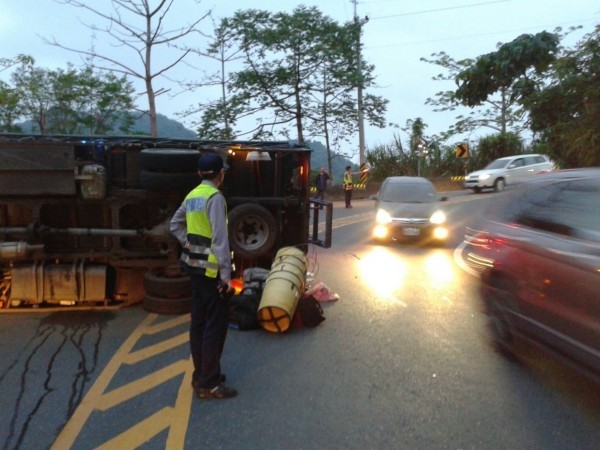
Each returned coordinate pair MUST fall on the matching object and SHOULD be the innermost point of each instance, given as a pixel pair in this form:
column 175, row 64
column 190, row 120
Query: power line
column 459, row 37
column 437, row 10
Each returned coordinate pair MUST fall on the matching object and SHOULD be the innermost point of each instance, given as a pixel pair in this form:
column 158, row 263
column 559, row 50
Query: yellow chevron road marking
column 140, row 433
column 141, row 385
column 156, row 349
column 167, row 324
column 181, row 414
column 174, row 418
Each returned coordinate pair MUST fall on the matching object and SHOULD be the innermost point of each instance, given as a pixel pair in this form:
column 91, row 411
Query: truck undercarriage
column 84, row 220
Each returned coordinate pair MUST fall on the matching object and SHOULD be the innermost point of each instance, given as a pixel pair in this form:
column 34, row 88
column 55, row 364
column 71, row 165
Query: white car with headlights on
column 408, row 210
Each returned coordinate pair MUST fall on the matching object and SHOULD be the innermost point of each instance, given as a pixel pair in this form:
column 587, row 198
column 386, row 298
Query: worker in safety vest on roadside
column 348, row 186
column 200, row 225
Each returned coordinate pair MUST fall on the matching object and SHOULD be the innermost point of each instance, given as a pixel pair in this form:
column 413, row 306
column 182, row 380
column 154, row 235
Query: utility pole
column 361, row 117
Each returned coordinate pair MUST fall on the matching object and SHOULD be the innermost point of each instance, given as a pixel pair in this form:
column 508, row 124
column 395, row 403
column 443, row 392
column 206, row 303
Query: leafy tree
column 90, row 103
column 10, row 109
column 507, row 68
column 499, row 81
column 566, row 110
column 498, row 112
column 301, row 68
column 335, row 110
column 282, row 56
column 67, row 101
column 218, row 118
column 33, row 87
column 141, row 28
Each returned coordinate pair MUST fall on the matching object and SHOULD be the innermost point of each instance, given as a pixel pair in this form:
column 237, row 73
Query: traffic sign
column 462, row 151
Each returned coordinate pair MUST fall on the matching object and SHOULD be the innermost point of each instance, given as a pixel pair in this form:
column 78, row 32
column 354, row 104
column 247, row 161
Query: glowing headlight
column 484, row 176
column 383, row 216
column 438, row 217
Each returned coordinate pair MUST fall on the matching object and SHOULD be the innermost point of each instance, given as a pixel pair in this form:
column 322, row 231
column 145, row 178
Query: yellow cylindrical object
column 283, row 288
column 290, row 256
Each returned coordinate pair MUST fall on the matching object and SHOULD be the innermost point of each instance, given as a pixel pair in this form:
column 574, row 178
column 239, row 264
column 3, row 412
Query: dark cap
column 211, row 164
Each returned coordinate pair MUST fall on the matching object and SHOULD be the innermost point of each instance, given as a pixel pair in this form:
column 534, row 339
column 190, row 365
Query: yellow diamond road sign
column 462, row 151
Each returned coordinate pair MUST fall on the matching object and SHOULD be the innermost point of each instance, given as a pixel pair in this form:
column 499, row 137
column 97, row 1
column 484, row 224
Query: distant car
column 541, row 252
column 508, row 170
column 408, row 209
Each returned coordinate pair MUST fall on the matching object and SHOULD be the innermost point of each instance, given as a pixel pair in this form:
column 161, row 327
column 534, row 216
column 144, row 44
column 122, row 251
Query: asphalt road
column 403, row 360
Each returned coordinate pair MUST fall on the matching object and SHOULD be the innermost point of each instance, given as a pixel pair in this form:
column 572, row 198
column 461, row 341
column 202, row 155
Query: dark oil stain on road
column 62, row 340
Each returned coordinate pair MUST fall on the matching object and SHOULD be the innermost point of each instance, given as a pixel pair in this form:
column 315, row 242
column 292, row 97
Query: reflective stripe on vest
column 197, row 253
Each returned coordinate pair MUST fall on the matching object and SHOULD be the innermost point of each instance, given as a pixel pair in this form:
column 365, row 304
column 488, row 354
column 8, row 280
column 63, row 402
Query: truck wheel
column 157, row 181
column 158, row 284
column 164, row 305
column 499, row 184
column 171, row 160
column 252, row 230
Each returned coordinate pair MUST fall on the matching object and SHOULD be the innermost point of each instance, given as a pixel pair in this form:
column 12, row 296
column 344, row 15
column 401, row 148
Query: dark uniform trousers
column 208, row 330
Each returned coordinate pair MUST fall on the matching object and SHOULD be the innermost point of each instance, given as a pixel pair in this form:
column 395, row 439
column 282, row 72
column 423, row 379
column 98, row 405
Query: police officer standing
column 348, row 186
column 200, row 225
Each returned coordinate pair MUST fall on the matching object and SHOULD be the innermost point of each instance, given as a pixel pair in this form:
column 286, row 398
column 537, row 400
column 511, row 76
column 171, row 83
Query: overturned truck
column 84, row 221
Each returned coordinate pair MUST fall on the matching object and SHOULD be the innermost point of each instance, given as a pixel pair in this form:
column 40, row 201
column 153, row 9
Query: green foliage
column 86, row 102
column 33, row 87
column 507, row 67
column 299, row 74
column 66, row 101
column 493, row 147
column 498, row 80
column 498, row 112
column 390, row 160
column 219, row 119
column 566, row 111
column 532, row 78
column 10, row 110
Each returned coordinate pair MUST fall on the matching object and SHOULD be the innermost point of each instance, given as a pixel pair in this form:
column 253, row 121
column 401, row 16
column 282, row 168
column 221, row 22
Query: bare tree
column 141, row 38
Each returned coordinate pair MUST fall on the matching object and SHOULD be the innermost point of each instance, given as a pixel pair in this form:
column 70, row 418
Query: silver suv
column 508, row 170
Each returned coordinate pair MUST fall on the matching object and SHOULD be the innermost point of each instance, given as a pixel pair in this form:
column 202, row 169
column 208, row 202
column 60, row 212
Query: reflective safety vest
column 348, row 181
column 197, row 256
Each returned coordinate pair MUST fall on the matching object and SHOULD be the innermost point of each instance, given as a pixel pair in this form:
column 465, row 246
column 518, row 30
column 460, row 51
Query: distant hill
column 170, row 128
column 319, row 159
column 166, row 128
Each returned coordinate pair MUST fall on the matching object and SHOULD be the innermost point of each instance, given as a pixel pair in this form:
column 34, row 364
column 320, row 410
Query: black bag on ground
column 309, row 311
column 243, row 309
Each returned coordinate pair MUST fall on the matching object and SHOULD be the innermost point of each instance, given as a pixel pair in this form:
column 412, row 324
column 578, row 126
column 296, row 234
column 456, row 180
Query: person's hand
column 225, row 288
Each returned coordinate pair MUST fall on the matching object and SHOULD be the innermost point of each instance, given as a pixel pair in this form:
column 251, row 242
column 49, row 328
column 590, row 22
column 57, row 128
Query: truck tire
column 166, row 305
column 158, row 284
column 252, row 230
column 158, row 181
column 170, row 160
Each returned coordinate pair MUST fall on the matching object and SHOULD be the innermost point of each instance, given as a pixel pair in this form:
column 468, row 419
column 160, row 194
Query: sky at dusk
column 397, row 34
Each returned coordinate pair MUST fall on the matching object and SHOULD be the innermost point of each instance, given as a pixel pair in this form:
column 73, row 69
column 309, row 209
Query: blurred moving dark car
column 408, row 209
column 540, row 249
